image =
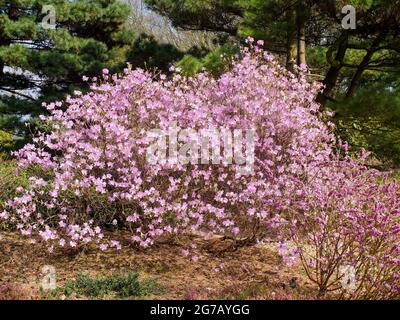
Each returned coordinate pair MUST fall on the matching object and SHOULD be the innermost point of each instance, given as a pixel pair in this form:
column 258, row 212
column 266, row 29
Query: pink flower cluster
column 349, row 216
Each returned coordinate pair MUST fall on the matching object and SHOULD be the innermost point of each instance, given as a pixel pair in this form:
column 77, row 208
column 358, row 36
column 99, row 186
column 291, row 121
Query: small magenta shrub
column 346, row 231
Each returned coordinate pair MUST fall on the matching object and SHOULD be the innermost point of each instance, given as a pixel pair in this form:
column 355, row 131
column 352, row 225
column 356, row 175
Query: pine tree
column 147, row 53
column 44, row 61
column 356, row 66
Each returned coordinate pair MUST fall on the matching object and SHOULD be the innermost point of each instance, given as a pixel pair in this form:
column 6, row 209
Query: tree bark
column 296, row 44
column 301, row 34
column 302, row 59
column 292, row 42
column 336, row 65
column 355, row 81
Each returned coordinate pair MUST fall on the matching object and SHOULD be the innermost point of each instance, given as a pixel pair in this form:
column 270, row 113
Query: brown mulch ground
column 253, row 272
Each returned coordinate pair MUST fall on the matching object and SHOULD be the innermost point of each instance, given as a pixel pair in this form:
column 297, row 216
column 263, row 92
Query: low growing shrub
column 346, row 232
column 124, row 285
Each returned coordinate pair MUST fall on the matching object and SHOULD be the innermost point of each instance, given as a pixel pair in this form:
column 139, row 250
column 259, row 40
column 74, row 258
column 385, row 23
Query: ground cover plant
column 122, row 285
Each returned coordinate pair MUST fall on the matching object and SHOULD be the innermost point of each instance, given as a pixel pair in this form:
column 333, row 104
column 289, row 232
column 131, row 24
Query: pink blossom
column 236, row 230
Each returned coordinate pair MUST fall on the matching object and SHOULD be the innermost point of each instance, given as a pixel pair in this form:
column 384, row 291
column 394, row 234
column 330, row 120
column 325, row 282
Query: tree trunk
column 301, row 34
column 302, row 45
column 292, row 42
column 292, row 52
column 296, row 44
column 336, row 65
column 355, row 81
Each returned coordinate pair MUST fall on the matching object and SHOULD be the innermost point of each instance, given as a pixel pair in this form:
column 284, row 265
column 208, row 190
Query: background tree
column 349, row 62
column 39, row 64
column 145, row 21
column 146, row 52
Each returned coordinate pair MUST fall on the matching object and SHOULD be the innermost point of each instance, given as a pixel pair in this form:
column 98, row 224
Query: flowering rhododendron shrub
column 96, row 156
column 346, row 231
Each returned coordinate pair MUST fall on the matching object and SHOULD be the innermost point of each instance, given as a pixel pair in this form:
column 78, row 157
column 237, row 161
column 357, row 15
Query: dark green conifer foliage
column 40, row 64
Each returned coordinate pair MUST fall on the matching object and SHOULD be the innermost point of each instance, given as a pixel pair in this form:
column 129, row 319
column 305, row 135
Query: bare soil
column 251, row 272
